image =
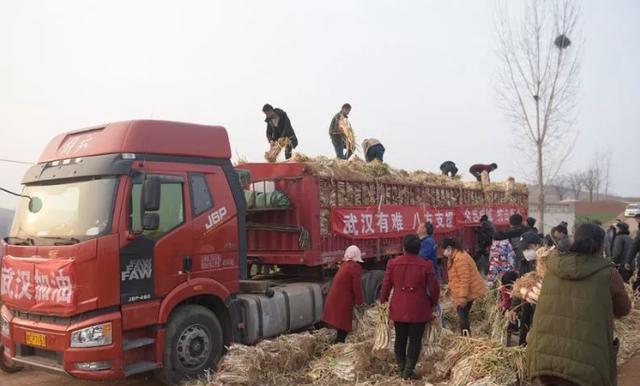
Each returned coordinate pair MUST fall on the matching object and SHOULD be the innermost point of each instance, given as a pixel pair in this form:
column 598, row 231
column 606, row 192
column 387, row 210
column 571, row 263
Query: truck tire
column 5, row 365
column 193, row 343
column 373, row 286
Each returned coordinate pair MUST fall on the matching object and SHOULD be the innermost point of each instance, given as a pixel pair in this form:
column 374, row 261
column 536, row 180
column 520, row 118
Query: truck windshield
column 65, row 213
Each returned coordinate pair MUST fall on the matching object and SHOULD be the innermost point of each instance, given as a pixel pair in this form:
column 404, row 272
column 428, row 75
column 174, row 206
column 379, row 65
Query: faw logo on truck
column 137, row 269
column 216, row 218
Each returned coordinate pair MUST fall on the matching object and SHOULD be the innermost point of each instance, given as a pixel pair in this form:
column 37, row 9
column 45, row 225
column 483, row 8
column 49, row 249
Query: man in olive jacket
column 571, row 341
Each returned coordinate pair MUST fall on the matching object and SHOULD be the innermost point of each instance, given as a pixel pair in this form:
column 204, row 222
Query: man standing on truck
column 278, row 127
column 341, row 133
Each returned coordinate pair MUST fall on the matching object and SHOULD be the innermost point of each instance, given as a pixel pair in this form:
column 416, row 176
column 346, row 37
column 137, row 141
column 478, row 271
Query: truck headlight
column 98, row 335
column 4, row 326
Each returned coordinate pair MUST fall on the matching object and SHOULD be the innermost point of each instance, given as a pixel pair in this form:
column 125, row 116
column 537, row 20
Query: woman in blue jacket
column 428, row 246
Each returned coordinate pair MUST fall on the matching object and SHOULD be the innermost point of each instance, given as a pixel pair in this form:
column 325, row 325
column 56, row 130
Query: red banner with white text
column 398, row 220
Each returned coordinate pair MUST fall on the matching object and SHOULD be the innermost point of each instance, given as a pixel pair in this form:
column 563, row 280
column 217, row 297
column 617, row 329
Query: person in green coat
column 571, row 340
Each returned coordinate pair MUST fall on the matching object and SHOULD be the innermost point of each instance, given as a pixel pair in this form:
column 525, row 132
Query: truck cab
column 126, row 249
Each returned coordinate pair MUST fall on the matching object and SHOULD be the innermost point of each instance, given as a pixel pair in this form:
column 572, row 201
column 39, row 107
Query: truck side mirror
column 150, row 221
column 151, row 194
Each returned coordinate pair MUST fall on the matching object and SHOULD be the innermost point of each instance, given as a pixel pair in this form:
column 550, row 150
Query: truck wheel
column 374, row 286
column 193, row 343
column 5, row 365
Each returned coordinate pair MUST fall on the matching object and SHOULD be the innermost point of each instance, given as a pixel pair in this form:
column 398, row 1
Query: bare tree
column 562, row 186
column 597, row 175
column 537, row 83
column 591, row 181
column 605, row 167
column 576, row 182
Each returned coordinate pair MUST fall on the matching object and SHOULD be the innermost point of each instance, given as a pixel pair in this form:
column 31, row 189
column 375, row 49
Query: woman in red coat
column 345, row 293
column 415, row 293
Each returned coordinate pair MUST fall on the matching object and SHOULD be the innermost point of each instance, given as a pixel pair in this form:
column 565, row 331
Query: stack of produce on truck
column 132, row 249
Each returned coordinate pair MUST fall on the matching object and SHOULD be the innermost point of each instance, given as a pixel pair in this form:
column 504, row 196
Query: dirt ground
column 43, row 378
column 629, row 376
column 630, row 372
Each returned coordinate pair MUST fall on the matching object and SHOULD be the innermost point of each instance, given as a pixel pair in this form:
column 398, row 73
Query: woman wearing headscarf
column 345, row 294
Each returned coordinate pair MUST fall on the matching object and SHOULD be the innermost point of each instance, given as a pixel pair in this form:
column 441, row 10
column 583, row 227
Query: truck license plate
column 35, row 339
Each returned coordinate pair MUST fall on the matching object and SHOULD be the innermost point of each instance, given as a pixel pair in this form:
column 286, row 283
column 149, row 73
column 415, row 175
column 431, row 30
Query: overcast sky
column 419, row 75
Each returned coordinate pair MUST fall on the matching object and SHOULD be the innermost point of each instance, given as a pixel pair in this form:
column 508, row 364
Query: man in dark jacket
column 621, row 250
column 477, row 169
column 448, row 168
column 279, row 126
column 485, row 239
column 513, row 234
column 340, row 130
column 529, row 243
column 609, row 238
column 631, row 260
column 571, row 341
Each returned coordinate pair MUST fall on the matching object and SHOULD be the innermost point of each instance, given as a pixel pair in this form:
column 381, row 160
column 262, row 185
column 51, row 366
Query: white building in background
column 556, row 209
column 555, row 212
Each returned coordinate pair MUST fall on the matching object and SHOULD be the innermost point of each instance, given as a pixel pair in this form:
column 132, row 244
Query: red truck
column 136, row 244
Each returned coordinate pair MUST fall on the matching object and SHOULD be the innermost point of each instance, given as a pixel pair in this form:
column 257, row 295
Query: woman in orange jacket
column 465, row 282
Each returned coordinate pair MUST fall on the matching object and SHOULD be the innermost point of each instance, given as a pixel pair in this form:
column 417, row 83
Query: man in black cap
column 279, row 126
column 513, row 234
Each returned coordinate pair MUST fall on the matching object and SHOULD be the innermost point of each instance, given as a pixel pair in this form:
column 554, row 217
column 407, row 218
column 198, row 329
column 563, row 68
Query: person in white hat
column 345, row 293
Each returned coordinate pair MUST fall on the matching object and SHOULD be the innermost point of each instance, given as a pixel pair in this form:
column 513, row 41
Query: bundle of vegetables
column 529, row 285
column 276, row 147
column 626, row 328
column 381, row 337
column 265, row 362
column 470, row 360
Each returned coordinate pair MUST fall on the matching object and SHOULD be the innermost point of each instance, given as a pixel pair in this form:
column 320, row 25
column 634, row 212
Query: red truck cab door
column 151, row 264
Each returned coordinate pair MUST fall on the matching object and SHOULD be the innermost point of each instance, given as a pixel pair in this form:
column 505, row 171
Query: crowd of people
column 565, row 321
